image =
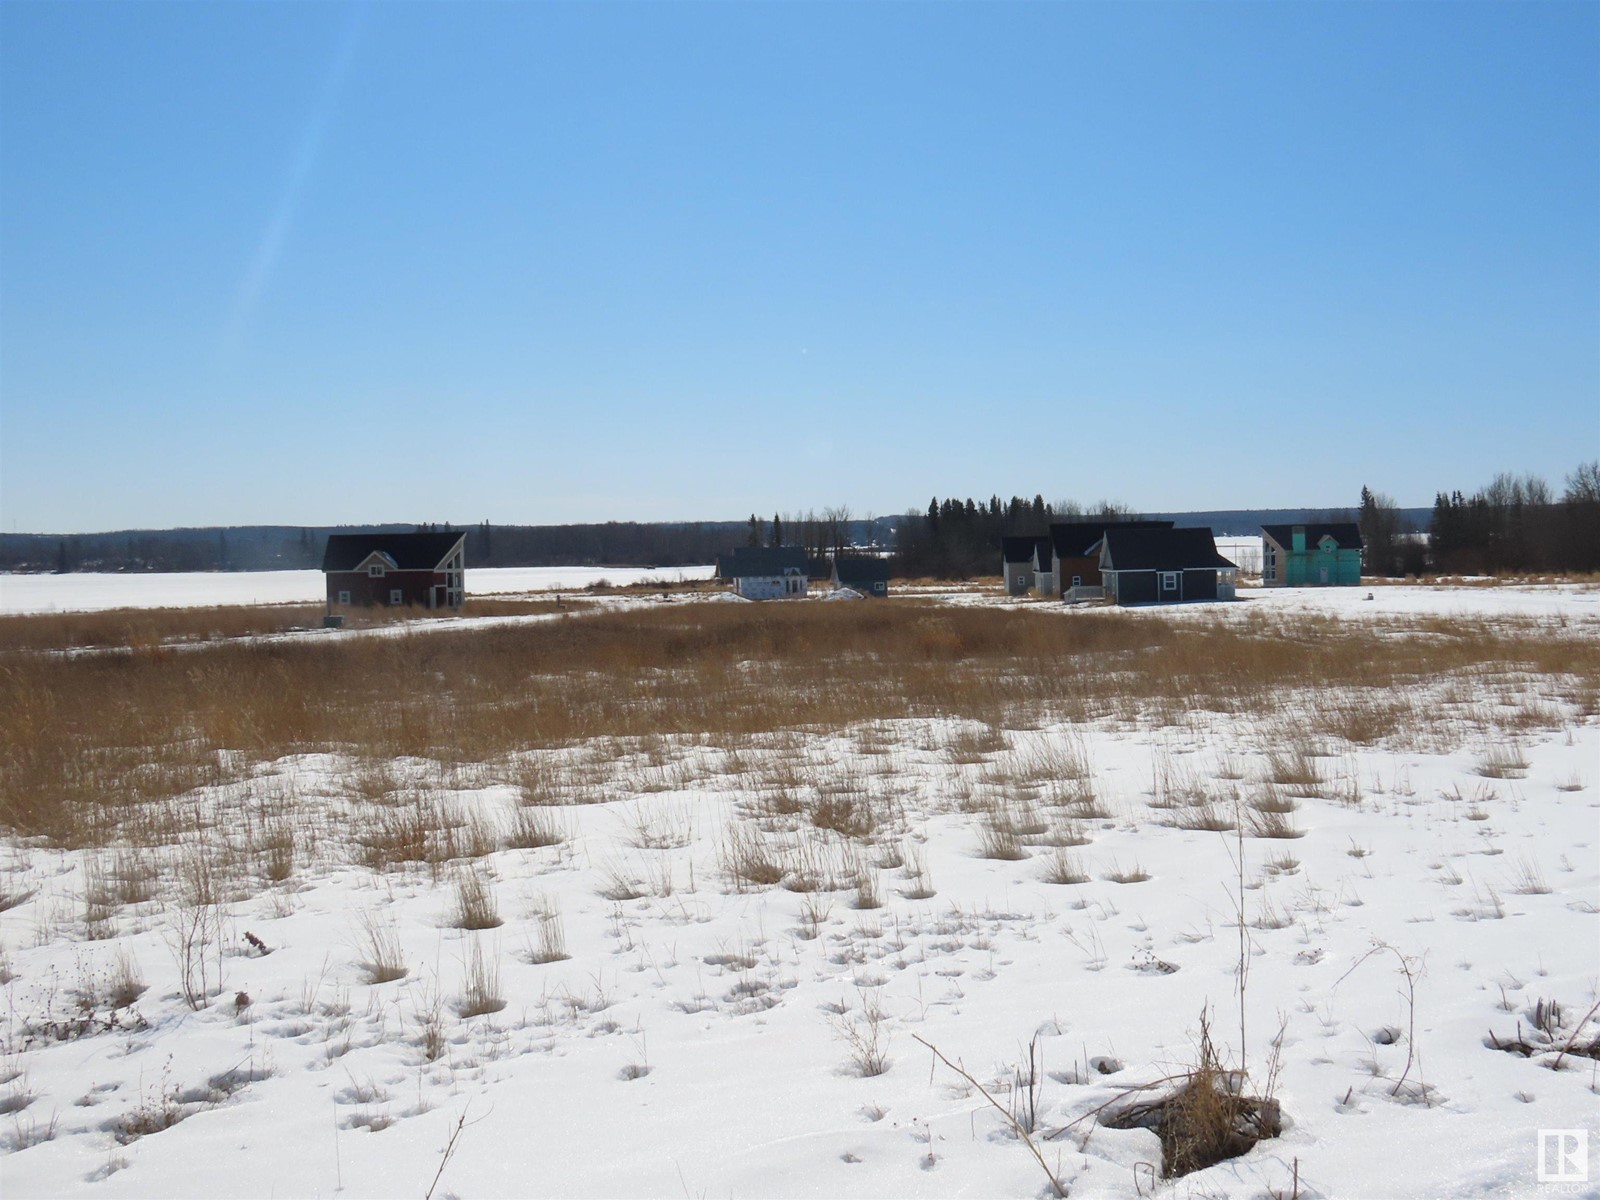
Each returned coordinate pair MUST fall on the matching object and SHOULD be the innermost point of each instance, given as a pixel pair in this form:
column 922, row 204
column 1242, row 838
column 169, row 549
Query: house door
column 1324, row 574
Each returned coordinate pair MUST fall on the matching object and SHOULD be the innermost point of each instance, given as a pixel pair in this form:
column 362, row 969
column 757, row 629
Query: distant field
column 85, row 592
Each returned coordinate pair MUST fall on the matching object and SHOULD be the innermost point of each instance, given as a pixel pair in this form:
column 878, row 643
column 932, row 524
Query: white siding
column 770, row 587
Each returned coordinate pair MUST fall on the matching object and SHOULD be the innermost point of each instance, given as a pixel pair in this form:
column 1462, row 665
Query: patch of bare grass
column 1504, row 760
column 1205, row 1119
column 472, row 904
column 1062, row 867
column 382, row 959
column 481, row 992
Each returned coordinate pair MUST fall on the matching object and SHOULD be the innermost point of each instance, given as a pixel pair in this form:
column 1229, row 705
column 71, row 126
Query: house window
column 1169, row 581
column 396, row 596
column 375, row 571
column 1077, row 581
column 344, row 597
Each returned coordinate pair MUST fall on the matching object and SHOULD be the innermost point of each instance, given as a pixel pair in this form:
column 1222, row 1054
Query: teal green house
column 1326, row 555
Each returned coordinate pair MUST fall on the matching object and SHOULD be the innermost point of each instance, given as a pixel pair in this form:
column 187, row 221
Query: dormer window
column 375, row 570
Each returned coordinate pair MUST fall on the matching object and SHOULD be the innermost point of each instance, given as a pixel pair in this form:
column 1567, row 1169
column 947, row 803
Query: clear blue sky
column 314, row 263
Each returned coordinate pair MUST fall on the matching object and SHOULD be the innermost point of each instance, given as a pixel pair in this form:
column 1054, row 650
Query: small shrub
column 846, row 812
column 1205, row 1120
column 1133, row 874
column 748, row 860
column 1271, row 824
column 534, row 828
column 919, row 884
column 1064, row 868
column 814, row 910
column 1528, row 881
column 380, row 943
column 548, row 943
column 1503, row 761
column 473, row 905
column 1000, row 836
column 1294, row 766
column 865, row 1036
column 480, row 984
column 125, row 984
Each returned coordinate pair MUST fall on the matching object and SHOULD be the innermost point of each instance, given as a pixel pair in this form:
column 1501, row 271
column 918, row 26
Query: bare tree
column 1583, row 485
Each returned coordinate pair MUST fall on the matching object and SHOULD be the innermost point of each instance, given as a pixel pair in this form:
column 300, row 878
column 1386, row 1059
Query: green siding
column 1305, row 569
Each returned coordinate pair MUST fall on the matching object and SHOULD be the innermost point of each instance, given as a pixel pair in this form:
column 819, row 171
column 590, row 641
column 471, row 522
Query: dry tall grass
column 94, row 747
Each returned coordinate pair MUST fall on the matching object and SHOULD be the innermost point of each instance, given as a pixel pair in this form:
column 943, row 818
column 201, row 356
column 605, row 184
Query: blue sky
column 316, row 263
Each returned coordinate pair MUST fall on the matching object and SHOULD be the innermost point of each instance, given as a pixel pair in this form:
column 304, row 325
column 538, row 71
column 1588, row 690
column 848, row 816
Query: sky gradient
column 329, row 263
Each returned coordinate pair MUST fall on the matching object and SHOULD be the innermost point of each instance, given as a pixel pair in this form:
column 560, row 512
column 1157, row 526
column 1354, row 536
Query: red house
column 425, row 570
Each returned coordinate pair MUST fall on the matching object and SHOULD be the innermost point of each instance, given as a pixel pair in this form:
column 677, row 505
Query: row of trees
column 270, row 548
column 959, row 538
column 833, row 531
column 1392, row 545
column 1517, row 524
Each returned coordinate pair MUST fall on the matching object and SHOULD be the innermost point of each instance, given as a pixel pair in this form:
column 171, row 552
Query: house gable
column 1311, row 555
column 425, row 570
column 1157, row 566
column 406, row 551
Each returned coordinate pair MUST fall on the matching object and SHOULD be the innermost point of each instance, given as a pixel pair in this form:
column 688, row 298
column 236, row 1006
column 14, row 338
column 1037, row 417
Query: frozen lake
column 84, row 592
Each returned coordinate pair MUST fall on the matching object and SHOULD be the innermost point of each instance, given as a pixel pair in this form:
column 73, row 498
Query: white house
column 765, row 572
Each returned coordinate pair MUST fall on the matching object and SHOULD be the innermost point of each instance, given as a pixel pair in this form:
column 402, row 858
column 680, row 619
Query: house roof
column 407, row 551
column 1163, row 550
column 862, row 570
column 1020, row 549
column 1346, row 533
column 1077, row 539
column 761, row 560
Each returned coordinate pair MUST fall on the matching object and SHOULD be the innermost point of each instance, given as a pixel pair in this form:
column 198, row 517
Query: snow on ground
column 85, row 592
column 1557, row 602
column 703, row 1040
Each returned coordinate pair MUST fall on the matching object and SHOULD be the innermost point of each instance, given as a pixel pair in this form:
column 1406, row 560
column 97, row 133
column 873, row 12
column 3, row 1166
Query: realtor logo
column 1563, row 1156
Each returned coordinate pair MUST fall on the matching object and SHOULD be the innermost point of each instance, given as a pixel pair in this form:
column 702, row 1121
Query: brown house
column 422, row 570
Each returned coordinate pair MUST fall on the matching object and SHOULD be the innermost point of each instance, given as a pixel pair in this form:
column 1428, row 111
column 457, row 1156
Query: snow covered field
column 84, row 592
column 690, row 987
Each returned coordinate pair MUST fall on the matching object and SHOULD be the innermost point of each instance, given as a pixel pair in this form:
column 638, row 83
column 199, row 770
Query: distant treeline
column 1518, row 524
column 958, row 538
column 1514, row 524
column 282, row 548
